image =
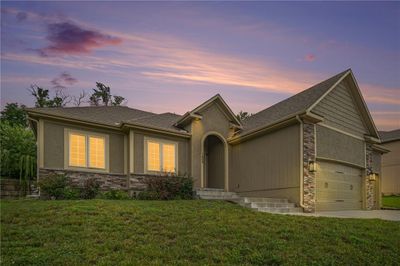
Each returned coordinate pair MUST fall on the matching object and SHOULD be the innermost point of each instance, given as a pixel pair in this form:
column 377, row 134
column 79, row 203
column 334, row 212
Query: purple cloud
column 63, row 79
column 310, row 58
column 21, row 16
column 68, row 38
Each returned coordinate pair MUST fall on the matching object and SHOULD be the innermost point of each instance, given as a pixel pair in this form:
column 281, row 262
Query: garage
column 338, row 187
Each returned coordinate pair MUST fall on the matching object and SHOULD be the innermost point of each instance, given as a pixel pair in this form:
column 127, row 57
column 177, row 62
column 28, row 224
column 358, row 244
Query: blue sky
column 171, row 56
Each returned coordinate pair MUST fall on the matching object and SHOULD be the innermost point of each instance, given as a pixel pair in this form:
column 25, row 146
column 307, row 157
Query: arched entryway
column 214, row 162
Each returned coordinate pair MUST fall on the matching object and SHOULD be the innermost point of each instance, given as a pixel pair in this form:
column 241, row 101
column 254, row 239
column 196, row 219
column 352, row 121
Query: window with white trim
column 161, row 156
column 86, row 150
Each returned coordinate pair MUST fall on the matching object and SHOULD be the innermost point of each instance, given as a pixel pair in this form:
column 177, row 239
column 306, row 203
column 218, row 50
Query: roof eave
column 155, row 129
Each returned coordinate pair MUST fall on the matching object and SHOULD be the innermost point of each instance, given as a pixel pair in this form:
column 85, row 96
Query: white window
column 86, row 150
column 161, row 156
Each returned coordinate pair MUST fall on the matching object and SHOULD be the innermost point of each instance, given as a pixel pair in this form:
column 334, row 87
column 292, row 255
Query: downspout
column 301, row 202
column 37, row 150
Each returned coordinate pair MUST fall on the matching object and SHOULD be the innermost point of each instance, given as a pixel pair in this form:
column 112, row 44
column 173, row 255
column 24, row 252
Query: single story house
column 391, row 162
column 319, row 148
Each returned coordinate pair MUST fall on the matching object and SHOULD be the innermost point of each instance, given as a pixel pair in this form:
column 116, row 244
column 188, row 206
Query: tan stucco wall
column 183, row 151
column 337, row 146
column 213, row 119
column 268, row 166
column 54, row 145
column 391, row 169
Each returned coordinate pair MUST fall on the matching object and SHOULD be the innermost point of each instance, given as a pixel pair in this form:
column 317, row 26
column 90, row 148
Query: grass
column 391, row 202
column 129, row 232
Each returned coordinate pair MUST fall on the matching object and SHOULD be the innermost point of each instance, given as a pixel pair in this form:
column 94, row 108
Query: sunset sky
column 171, row 56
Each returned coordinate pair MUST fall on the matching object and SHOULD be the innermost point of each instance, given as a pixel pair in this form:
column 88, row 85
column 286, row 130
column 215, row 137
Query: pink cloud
column 310, row 57
column 69, row 38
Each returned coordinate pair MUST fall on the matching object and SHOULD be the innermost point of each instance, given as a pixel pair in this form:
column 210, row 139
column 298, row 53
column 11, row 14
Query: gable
column 340, row 110
column 215, row 119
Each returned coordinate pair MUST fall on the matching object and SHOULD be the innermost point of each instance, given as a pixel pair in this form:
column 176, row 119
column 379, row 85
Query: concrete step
column 210, row 189
column 214, row 193
column 230, row 198
column 279, row 210
column 270, row 200
column 33, row 196
column 271, row 205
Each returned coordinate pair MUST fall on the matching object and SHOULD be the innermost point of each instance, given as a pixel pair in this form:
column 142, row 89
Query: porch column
column 309, row 181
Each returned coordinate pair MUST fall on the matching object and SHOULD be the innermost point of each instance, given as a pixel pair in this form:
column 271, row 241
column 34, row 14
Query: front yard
column 391, row 202
column 185, row 232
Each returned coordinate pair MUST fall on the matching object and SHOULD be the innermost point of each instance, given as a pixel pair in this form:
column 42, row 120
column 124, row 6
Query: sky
column 172, row 56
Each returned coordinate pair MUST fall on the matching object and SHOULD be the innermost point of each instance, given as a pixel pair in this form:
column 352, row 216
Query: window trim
column 87, row 134
column 161, row 142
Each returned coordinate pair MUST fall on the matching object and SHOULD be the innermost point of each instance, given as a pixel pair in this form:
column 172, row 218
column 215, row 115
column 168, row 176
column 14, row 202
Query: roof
column 163, row 121
column 112, row 116
column 188, row 116
column 292, row 106
column 387, row 136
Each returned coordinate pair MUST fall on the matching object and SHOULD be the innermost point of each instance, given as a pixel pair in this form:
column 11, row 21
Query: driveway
column 390, row 215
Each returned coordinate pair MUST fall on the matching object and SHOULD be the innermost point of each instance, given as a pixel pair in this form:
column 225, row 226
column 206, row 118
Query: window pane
column 153, row 156
column 169, row 158
column 97, row 152
column 77, row 150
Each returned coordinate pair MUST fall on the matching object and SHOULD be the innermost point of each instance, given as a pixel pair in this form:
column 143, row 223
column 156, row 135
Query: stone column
column 369, row 184
column 309, row 181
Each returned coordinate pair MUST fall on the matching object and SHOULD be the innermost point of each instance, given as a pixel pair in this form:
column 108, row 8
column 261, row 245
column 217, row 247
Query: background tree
column 78, row 100
column 243, row 115
column 102, row 96
column 42, row 97
column 18, row 151
column 14, row 114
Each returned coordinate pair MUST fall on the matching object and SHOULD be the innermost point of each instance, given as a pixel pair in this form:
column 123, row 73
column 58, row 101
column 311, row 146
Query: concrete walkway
column 390, row 215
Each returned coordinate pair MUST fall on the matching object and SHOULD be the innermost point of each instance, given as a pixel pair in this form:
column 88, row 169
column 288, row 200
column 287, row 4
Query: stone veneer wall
column 369, row 184
column 106, row 181
column 309, row 181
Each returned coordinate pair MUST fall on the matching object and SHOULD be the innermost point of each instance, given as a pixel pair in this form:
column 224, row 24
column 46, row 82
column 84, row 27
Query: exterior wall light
column 312, row 166
column 372, row 176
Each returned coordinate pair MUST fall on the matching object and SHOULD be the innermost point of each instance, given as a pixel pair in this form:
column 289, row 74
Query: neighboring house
column 391, row 162
column 318, row 148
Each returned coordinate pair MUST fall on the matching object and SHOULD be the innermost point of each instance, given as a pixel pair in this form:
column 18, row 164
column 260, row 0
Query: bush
column 53, row 186
column 114, row 195
column 167, row 188
column 58, row 187
column 90, row 188
column 72, row 193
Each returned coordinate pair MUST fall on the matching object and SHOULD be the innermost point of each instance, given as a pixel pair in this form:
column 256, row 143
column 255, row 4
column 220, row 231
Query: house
column 319, row 148
column 391, row 162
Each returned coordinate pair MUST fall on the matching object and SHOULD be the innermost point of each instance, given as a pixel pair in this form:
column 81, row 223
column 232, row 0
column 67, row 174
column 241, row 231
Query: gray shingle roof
column 387, row 136
column 296, row 104
column 165, row 121
column 107, row 115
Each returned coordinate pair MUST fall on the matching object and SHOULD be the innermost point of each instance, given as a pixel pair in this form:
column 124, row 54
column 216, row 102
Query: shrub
column 90, row 188
column 167, row 188
column 115, row 195
column 53, row 186
column 72, row 193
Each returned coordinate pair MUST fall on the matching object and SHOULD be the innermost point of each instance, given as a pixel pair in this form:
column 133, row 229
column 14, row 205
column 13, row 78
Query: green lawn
column 391, row 201
column 185, row 232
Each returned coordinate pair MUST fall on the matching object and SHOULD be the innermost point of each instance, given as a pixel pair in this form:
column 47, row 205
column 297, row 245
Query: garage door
column 338, row 187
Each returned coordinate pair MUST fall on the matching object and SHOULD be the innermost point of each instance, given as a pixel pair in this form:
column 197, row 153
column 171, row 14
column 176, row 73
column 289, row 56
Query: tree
column 243, row 115
column 18, row 151
column 78, row 100
column 102, row 96
column 14, row 114
column 43, row 99
column 118, row 100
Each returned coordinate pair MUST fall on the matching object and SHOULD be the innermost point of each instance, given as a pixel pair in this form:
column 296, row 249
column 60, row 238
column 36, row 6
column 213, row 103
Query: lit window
column 153, row 156
column 77, row 150
column 161, row 156
column 169, row 158
column 86, row 150
column 96, row 152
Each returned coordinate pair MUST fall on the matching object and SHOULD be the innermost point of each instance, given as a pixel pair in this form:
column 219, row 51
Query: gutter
column 301, row 201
